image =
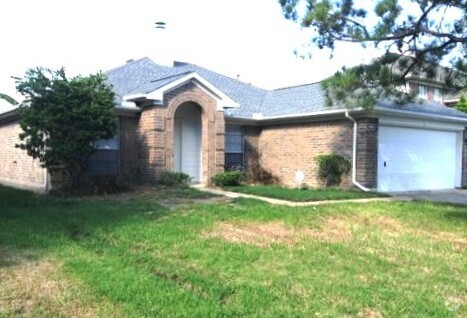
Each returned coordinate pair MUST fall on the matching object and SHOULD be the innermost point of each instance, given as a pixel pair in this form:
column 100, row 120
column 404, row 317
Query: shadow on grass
column 457, row 215
column 32, row 225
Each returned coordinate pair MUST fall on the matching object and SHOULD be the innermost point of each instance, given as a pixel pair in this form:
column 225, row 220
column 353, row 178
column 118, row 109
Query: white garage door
column 416, row 159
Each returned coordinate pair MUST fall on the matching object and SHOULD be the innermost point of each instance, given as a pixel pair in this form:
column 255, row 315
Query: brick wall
column 283, row 149
column 154, row 137
column 17, row 169
column 367, row 152
column 129, row 169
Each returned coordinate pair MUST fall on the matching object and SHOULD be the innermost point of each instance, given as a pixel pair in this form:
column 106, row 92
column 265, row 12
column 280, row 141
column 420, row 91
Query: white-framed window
column 437, row 95
column 234, row 138
column 104, row 162
column 422, row 91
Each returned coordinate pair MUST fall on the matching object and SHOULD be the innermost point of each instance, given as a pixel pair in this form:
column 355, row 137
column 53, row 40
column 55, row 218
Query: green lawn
column 131, row 256
column 303, row 195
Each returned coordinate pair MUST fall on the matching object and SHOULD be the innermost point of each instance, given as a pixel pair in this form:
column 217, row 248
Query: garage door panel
column 416, row 159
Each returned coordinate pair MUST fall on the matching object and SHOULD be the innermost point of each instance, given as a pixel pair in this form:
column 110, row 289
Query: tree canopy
column 462, row 104
column 9, row 99
column 416, row 35
column 62, row 118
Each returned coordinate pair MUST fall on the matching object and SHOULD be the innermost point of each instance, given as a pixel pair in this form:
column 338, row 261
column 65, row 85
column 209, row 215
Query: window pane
column 233, row 139
column 437, row 96
column 109, row 144
column 422, row 91
column 103, row 162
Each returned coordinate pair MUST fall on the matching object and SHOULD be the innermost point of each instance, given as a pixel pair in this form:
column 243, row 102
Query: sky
column 245, row 38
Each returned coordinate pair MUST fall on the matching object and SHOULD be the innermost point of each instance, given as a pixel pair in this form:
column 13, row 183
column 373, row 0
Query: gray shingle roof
column 143, row 76
column 294, row 100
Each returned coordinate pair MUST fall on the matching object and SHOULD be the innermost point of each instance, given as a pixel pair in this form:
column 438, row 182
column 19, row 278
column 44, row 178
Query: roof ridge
column 129, row 63
column 170, row 76
column 219, row 74
column 294, row 86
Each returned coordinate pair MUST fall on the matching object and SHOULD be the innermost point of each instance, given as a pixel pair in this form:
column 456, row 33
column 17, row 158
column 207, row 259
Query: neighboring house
column 433, row 88
column 187, row 118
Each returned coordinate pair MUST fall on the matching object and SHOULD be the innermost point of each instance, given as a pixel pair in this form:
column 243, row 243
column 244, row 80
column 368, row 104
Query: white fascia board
column 259, row 118
column 301, row 115
column 131, row 111
column 455, row 100
column 223, row 101
column 411, row 114
column 134, row 97
column 420, row 123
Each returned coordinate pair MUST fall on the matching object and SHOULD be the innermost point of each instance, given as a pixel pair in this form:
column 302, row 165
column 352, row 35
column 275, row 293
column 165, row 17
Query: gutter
column 354, row 154
column 415, row 114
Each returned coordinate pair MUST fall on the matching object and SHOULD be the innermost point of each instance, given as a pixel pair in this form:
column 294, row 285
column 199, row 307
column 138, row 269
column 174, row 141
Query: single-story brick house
column 187, row 118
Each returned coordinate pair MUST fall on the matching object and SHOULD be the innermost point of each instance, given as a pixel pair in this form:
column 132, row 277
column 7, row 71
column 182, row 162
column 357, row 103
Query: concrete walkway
column 456, row 196
column 230, row 194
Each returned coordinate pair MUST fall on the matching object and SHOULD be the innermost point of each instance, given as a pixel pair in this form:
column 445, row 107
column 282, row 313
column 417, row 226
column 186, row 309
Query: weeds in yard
column 131, row 256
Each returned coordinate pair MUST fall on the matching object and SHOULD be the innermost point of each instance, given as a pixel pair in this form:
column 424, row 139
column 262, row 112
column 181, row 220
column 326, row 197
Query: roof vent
column 178, row 63
column 129, row 61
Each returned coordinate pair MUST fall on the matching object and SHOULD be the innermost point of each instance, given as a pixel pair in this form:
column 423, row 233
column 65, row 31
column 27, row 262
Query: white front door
column 416, row 159
column 187, row 141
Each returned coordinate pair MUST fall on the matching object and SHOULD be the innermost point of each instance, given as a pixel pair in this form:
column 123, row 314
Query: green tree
column 62, row 119
column 9, row 99
column 462, row 104
column 426, row 30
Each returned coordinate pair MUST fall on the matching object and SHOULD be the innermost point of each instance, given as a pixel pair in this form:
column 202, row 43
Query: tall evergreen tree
column 421, row 33
column 9, row 99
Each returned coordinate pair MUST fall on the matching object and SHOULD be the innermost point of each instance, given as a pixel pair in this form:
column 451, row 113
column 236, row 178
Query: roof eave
column 412, row 114
column 10, row 115
column 157, row 95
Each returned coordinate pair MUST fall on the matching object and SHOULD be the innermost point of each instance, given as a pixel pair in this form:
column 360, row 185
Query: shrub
column 331, row 167
column 173, row 178
column 93, row 185
column 228, row 178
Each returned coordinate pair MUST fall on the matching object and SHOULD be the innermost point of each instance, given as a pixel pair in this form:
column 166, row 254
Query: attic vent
column 177, row 63
column 130, row 60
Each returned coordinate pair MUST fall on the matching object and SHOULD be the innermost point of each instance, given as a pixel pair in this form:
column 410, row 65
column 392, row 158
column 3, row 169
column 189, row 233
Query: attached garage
column 418, row 156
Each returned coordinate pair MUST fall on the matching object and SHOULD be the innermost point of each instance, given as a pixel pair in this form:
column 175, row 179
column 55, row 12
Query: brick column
column 367, row 152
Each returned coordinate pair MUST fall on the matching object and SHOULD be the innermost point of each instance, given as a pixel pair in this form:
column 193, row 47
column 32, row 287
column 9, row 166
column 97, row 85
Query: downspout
column 354, row 154
column 46, row 181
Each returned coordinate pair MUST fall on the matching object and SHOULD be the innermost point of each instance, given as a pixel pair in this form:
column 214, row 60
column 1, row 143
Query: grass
column 178, row 253
column 303, row 195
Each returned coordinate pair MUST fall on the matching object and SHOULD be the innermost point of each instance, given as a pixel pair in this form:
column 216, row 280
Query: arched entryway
column 187, row 140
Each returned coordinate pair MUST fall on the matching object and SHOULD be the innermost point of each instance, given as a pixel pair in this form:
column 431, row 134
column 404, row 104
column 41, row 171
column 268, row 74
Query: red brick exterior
column 148, row 148
column 128, row 165
column 16, row 167
column 367, row 152
column 273, row 153
column 283, row 149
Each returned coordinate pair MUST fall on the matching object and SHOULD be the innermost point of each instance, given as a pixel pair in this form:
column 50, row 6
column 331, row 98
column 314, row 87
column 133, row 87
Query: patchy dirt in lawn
column 175, row 203
column 369, row 313
column 169, row 197
column 262, row 235
column 332, row 229
column 266, row 234
column 35, row 289
column 458, row 242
